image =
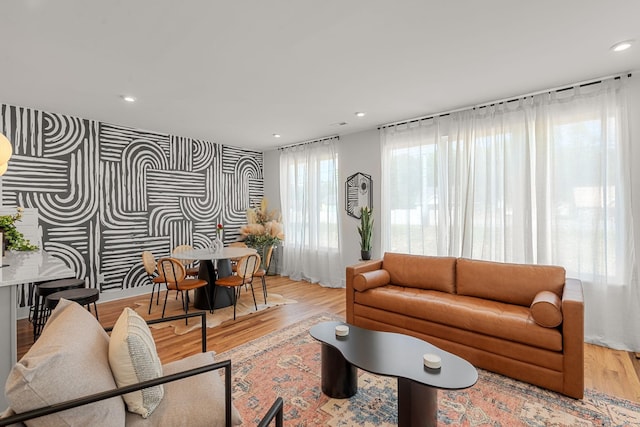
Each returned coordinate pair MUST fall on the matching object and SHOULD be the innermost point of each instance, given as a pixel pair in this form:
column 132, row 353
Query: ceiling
column 236, row 72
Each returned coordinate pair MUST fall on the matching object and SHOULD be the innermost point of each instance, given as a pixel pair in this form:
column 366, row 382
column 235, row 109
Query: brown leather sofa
column 523, row 321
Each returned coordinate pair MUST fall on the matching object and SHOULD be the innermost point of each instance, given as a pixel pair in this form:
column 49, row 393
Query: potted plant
column 365, row 229
column 12, row 239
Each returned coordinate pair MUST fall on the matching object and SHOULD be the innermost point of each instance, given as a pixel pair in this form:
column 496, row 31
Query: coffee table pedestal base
column 339, row 377
column 417, row 404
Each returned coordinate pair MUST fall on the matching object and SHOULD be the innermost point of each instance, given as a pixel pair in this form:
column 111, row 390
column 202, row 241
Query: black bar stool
column 40, row 311
column 83, row 296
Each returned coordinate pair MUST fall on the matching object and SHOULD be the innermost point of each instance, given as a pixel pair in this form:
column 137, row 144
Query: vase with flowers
column 12, row 238
column 216, row 243
column 263, row 230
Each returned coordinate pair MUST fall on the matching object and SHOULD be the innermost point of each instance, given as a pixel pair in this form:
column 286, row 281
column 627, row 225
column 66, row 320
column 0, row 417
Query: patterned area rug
column 287, row 363
column 245, row 307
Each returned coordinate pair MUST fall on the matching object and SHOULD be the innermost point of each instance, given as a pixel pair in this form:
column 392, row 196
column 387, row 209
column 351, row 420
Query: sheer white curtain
column 310, row 213
column 545, row 179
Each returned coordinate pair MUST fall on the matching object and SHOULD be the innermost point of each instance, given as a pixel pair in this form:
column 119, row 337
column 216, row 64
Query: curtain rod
column 313, row 141
column 511, row 99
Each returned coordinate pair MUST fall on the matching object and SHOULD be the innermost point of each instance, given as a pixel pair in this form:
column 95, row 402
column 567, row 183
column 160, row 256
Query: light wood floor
column 610, row 371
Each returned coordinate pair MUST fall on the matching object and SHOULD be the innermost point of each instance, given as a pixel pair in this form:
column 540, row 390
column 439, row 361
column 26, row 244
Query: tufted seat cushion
column 195, row 403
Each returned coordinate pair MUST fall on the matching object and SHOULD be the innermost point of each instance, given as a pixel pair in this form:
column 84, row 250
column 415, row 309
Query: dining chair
column 155, row 279
column 234, row 261
column 175, row 278
column 191, row 269
column 262, row 272
column 247, row 266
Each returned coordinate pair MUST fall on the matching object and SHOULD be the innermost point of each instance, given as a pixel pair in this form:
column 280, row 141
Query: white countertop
column 31, row 266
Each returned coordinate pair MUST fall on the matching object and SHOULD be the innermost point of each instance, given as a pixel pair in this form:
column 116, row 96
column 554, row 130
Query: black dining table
column 214, row 264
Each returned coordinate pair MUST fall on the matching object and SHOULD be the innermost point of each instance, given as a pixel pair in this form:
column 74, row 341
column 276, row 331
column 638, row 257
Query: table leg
column 417, row 404
column 224, row 297
column 339, row 377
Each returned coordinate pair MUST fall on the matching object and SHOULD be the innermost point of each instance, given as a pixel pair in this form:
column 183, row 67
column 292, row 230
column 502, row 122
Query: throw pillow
column 546, row 309
column 68, row 361
column 133, row 358
column 370, row 279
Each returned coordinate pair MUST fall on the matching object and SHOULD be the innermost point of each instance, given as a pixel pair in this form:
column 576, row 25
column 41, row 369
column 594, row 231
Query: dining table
column 19, row 268
column 214, row 264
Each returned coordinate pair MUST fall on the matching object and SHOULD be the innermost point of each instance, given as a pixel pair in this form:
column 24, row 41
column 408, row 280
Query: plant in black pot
column 365, row 230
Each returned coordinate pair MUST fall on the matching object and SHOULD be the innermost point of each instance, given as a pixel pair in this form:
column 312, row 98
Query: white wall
column 271, row 176
column 359, row 152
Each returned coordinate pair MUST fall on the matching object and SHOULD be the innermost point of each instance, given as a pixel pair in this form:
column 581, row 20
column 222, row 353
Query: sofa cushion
column 419, row 271
column 68, row 361
column 133, row 358
column 510, row 283
column 196, row 401
column 371, row 279
column 546, row 309
column 506, row 321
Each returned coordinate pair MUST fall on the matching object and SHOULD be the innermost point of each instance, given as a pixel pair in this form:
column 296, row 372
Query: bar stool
column 40, row 311
column 83, row 296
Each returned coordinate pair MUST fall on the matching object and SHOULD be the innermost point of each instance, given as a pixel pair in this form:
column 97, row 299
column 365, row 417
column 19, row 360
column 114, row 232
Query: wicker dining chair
column 155, row 279
column 262, row 272
column 234, row 261
column 191, row 269
column 247, row 266
column 174, row 275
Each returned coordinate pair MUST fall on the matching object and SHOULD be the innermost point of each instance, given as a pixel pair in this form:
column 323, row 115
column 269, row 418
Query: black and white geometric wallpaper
column 105, row 193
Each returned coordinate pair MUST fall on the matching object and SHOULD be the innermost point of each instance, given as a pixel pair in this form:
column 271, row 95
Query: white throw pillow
column 133, row 358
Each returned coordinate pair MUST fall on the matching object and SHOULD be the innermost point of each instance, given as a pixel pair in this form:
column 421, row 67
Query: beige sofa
column 68, row 378
column 523, row 321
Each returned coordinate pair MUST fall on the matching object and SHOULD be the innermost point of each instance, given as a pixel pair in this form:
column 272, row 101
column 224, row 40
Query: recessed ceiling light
column 360, row 114
column 128, row 98
column 276, row 135
column 620, row 46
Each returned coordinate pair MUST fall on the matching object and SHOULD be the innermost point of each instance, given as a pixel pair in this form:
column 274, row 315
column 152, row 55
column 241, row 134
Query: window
column 538, row 180
column 309, row 191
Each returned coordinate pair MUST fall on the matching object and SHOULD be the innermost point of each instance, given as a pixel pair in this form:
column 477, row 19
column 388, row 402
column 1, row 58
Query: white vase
column 216, row 244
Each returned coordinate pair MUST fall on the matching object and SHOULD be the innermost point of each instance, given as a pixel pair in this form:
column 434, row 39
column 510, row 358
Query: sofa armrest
column 352, row 271
column 275, row 412
column 573, row 337
column 46, row 410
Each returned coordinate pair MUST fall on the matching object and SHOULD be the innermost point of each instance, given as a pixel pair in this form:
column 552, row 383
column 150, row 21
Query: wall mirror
column 358, row 193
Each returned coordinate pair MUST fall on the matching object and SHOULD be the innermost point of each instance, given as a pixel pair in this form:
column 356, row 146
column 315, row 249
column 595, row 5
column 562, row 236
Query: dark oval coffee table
column 394, row 355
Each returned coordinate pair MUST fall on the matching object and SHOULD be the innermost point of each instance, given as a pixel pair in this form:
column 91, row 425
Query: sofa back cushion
column 504, row 282
column 419, row 271
column 195, row 401
column 68, row 361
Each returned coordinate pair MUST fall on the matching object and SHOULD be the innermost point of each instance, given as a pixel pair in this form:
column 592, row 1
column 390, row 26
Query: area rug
column 287, row 363
column 245, row 307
